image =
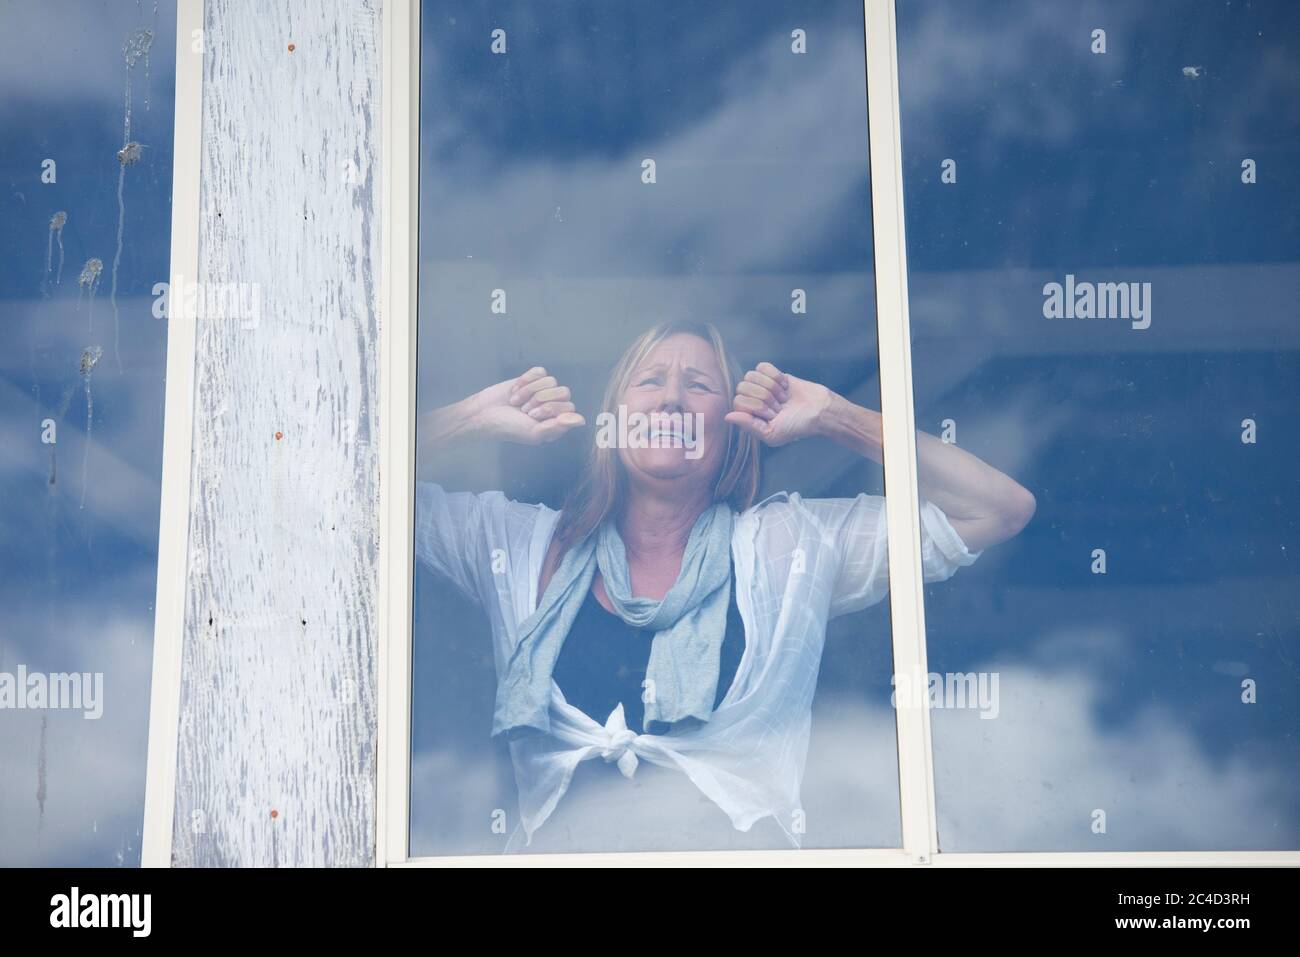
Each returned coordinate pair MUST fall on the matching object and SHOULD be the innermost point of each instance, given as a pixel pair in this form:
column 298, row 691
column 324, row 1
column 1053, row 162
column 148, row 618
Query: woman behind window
column 661, row 621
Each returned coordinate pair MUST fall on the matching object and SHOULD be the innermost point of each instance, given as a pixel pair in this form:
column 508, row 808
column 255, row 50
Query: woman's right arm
column 530, row 409
column 465, row 537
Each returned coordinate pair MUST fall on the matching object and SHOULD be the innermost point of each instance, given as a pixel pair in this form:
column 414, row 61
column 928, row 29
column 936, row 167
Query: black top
column 603, row 661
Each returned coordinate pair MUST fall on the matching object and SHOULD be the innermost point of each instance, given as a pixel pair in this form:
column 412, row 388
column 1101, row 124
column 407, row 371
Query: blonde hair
column 603, row 482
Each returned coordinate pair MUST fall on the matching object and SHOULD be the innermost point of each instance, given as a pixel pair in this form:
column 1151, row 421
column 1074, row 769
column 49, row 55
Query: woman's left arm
column 984, row 506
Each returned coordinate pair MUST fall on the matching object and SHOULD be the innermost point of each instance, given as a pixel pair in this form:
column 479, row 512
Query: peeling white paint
column 134, row 49
column 281, row 598
column 87, row 283
column 128, row 154
column 57, row 222
column 42, row 773
column 89, row 358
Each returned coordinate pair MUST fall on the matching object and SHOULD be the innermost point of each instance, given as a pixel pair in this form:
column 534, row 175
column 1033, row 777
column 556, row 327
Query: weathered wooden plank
column 276, row 756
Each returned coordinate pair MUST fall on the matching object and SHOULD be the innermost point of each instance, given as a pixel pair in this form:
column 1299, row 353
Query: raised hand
column 778, row 407
column 531, row 409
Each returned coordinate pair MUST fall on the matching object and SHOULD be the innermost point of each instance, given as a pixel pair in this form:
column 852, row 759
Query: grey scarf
column 689, row 624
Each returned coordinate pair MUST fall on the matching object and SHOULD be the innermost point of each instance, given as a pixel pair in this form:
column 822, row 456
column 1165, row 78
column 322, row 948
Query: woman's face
column 676, row 400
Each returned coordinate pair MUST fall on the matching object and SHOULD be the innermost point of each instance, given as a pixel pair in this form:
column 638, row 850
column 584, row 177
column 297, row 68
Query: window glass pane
column 589, row 171
column 1103, row 244
column 86, row 103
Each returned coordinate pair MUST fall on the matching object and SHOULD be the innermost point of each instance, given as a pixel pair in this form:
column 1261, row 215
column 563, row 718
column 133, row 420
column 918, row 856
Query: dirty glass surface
column 1104, row 255
column 589, row 170
column 86, row 109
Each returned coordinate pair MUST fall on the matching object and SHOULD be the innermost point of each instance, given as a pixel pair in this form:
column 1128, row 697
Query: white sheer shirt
column 798, row 563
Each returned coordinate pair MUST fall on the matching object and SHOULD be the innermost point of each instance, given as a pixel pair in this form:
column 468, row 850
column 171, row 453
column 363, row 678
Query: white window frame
column 178, row 435
column 907, row 612
column 920, row 843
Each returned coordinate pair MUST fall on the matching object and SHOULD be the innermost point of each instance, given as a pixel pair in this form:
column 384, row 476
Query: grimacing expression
column 679, row 375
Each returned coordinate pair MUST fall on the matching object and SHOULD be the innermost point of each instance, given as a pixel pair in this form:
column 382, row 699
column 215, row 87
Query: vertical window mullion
column 399, row 184
column 178, row 427
column 907, row 606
